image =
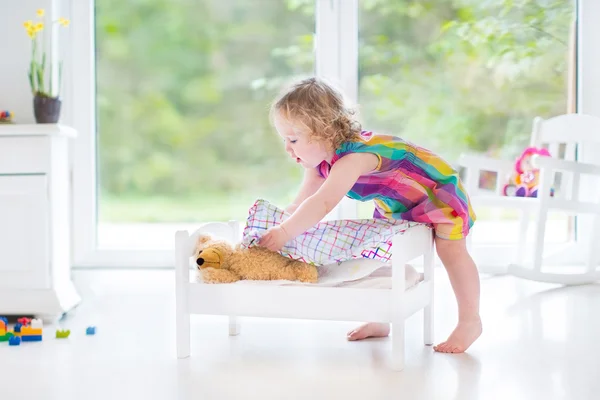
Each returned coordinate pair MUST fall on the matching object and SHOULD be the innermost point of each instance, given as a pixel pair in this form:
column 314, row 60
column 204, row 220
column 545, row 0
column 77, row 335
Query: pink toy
column 524, row 181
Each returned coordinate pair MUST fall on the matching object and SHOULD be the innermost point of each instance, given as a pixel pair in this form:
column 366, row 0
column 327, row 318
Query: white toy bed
column 361, row 300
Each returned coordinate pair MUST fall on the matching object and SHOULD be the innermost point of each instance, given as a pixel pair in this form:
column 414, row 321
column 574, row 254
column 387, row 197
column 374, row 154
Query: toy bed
column 307, row 301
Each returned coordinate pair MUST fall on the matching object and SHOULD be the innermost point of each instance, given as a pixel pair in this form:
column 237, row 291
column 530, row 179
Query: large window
column 178, row 132
column 466, row 76
column 183, row 93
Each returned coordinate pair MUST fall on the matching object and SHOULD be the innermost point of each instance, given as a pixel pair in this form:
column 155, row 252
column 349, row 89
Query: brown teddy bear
column 220, row 262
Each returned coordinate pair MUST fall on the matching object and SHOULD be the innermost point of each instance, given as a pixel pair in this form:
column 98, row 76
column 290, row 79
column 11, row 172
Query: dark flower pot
column 46, row 109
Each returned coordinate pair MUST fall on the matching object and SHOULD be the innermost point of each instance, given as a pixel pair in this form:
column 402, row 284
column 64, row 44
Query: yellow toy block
column 27, row 331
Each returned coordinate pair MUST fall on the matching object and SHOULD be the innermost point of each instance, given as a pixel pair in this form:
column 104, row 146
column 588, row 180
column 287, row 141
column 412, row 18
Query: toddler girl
column 405, row 182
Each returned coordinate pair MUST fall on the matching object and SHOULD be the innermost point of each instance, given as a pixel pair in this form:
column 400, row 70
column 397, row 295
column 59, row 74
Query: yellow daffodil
column 37, row 68
column 30, row 28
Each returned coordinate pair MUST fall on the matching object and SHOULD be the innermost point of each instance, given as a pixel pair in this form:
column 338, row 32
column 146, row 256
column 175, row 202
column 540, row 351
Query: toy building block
column 24, row 321
column 62, row 334
column 28, row 331
column 31, row 338
column 91, row 330
column 36, row 323
column 17, row 328
column 3, row 324
column 14, row 341
column 6, row 337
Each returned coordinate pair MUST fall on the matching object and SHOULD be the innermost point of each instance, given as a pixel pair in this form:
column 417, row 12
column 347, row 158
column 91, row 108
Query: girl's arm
column 342, row 177
column 310, row 184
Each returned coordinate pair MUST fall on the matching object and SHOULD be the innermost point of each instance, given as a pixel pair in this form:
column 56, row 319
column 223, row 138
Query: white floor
column 540, row 342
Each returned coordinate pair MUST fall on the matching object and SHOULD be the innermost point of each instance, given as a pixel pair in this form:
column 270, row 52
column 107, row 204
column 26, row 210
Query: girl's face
column 306, row 152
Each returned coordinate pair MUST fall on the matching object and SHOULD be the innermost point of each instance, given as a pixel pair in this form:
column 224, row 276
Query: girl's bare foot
column 465, row 333
column 369, row 330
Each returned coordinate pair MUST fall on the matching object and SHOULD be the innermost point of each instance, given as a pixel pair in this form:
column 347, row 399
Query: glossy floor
column 540, row 342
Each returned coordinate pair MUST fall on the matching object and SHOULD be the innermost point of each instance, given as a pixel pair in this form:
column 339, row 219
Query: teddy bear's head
column 211, row 253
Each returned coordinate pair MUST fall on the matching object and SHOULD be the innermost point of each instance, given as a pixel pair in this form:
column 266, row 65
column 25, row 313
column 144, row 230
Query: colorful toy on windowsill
column 524, row 181
column 6, row 117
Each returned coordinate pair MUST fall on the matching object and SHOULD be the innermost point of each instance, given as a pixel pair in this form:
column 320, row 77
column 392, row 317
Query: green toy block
column 60, row 334
column 6, row 337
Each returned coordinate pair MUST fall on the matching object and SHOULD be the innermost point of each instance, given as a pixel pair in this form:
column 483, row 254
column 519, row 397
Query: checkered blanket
column 329, row 241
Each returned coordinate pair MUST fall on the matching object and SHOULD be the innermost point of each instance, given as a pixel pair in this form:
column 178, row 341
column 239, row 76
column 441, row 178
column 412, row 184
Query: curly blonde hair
column 321, row 109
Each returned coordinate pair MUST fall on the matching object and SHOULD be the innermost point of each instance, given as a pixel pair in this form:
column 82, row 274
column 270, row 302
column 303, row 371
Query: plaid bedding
column 329, row 241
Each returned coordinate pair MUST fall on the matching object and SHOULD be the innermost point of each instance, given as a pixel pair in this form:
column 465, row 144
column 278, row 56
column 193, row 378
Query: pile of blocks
column 30, row 330
column 26, row 330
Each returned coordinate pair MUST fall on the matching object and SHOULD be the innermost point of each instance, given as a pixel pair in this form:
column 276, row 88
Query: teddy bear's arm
column 212, row 275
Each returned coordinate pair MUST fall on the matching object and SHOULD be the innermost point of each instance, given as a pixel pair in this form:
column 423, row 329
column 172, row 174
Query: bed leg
column 428, row 265
column 234, row 326
column 428, row 325
column 397, row 299
column 182, row 278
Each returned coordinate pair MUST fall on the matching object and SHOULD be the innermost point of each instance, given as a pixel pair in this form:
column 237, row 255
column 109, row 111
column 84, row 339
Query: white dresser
column 35, row 254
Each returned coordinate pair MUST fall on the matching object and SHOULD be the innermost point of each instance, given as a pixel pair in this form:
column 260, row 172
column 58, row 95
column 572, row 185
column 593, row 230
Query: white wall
column 15, row 55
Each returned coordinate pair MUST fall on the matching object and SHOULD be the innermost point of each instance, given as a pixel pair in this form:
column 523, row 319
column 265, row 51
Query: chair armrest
column 568, row 166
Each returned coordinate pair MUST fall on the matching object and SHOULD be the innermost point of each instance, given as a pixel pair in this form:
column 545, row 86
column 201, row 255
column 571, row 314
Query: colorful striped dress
column 410, row 183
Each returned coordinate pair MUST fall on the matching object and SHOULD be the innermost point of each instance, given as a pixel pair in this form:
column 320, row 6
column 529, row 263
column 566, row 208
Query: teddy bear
column 218, row 261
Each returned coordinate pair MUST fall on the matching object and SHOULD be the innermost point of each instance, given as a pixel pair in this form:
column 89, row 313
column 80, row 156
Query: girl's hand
column 274, row 238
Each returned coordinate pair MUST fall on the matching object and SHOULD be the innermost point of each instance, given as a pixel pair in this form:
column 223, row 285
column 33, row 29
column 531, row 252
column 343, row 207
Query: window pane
column 183, row 94
column 464, row 76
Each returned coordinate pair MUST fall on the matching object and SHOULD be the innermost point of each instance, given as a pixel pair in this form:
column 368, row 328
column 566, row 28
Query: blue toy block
column 31, row 338
column 17, row 328
column 14, row 341
column 91, row 330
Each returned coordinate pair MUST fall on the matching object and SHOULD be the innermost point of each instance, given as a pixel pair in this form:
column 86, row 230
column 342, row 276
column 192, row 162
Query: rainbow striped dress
column 410, row 183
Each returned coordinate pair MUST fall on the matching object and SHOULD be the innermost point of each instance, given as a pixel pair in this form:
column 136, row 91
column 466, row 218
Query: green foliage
column 463, row 75
column 184, row 89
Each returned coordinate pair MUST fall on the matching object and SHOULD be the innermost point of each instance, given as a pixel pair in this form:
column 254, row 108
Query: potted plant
column 45, row 86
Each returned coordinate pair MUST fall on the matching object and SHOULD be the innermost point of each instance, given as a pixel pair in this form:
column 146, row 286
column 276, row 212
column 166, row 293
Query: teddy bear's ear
column 203, row 238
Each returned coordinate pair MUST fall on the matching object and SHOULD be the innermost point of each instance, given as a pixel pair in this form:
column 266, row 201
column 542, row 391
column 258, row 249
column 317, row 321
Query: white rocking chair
column 566, row 131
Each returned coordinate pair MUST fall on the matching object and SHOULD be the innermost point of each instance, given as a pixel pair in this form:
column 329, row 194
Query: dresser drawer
column 23, row 155
column 24, row 233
